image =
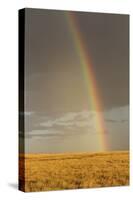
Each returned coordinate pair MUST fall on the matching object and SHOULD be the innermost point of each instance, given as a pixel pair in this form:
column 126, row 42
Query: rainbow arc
column 89, row 78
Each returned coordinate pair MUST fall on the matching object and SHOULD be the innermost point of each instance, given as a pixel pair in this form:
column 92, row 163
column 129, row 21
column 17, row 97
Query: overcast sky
column 59, row 117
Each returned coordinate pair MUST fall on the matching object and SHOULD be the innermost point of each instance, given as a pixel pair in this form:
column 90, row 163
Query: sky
column 58, row 113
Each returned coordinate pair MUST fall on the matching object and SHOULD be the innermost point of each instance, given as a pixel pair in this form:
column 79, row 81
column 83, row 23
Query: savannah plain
column 43, row 172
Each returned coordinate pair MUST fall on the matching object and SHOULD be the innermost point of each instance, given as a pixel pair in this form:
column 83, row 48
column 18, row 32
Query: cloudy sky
column 58, row 114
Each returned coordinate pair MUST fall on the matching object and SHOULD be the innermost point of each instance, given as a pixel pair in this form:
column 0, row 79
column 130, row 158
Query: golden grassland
column 70, row 171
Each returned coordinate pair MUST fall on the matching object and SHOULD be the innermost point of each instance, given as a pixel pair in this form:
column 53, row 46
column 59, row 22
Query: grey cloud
column 79, row 119
column 119, row 114
column 55, row 133
column 72, row 122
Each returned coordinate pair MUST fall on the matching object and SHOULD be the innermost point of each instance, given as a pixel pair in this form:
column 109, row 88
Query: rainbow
column 90, row 79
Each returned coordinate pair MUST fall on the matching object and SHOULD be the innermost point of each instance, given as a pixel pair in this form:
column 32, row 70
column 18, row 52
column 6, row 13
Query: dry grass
column 70, row 171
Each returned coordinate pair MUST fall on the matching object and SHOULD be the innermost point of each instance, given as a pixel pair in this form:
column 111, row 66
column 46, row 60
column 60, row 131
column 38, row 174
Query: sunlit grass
column 71, row 171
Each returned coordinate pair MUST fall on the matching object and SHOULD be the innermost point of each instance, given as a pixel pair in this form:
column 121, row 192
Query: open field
column 70, row 171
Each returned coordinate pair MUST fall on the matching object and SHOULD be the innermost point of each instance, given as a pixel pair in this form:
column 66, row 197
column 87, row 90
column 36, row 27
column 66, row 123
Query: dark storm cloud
column 57, row 102
column 51, row 56
column 108, row 46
